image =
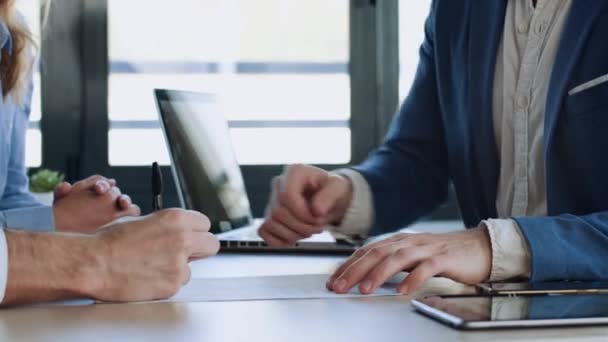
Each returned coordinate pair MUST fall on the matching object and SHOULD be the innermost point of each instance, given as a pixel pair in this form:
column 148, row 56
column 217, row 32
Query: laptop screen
column 204, row 165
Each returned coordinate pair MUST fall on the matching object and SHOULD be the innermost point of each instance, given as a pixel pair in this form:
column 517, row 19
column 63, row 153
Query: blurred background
column 313, row 81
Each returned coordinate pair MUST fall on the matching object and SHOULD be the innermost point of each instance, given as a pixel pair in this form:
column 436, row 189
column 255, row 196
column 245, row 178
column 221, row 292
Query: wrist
column 47, row 267
column 485, row 242
column 58, row 218
column 345, row 200
column 91, row 268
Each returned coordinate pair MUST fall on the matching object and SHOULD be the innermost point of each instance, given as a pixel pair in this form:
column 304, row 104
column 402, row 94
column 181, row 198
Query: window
column 280, row 69
column 299, row 81
column 411, row 34
column 30, row 9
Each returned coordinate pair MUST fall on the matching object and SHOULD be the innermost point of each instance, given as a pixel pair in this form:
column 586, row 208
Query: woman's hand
column 90, row 204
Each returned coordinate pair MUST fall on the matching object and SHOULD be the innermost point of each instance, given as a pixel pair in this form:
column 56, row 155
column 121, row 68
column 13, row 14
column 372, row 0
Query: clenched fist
column 304, row 200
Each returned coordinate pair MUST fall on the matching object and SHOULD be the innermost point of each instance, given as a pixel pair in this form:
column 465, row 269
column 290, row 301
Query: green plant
column 45, row 180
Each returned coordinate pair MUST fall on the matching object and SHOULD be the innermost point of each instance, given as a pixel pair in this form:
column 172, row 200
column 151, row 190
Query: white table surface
column 361, row 319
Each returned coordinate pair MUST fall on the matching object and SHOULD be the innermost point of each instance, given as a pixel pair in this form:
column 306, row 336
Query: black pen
column 157, row 187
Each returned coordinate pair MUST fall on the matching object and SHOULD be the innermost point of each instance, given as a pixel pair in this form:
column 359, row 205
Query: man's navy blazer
column 444, row 133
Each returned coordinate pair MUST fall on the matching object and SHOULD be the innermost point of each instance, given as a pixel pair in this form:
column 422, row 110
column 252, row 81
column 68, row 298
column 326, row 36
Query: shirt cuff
column 37, row 219
column 510, row 252
column 359, row 216
column 3, row 265
column 509, row 308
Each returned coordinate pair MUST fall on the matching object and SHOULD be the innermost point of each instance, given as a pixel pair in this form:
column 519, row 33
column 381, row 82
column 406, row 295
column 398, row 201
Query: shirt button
column 522, row 102
column 522, row 28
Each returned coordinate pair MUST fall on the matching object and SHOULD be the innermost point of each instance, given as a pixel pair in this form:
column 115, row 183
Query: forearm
column 47, row 267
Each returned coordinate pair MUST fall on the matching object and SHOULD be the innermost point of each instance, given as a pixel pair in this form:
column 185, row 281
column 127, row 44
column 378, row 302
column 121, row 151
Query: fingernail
column 403, row 290
column 340, row 284
column 366, row 286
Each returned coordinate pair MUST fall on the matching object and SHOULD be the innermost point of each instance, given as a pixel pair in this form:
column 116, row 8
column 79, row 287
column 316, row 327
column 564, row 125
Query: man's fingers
column 202, row 245
column 275, row 189
column 391, row 243
column 401, row 260
column 286, row 218
column 358, row 270
column 189, row 219
column 324, row 201
column 282, row 232
column 270, row 239
column 423, row 272
column 293, row 191
column 199, row 223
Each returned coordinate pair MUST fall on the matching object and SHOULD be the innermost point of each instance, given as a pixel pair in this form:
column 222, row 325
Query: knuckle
column 403, row 253
column 173, row 215
column 180, row 239
column 360, row 252
column 423, row 237
column 434, row 263
column 296, row 168
column 375, row 252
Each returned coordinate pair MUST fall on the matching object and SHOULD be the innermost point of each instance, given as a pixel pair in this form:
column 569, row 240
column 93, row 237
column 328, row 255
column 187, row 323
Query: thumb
column 62, row 190
column 274, row 191
column 330, row 194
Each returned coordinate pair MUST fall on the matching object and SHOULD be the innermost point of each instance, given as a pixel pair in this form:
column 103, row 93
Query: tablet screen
column 521, row 308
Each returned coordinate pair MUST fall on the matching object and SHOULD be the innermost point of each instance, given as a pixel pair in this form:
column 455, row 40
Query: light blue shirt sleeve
column 35, row 219
column 18, row 208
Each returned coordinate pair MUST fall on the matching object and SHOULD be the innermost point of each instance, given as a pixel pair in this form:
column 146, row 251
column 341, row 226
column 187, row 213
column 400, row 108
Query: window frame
column 75, row 95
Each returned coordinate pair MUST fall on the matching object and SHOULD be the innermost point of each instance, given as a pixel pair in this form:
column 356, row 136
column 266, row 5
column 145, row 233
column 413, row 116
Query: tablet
column 482, row 312
column 558, row 287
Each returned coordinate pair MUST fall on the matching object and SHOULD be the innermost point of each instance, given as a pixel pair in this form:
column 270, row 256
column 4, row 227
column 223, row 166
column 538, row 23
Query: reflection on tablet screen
column 522, row 308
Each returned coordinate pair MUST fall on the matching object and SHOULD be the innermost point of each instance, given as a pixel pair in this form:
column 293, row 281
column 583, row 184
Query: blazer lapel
column 487, row 23
column 583, row 14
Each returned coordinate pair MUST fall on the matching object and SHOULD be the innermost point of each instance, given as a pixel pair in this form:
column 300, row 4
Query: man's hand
column 465, row 257
column 304, row 200
column 90, row 204
column 142, row 259
column 148, row 258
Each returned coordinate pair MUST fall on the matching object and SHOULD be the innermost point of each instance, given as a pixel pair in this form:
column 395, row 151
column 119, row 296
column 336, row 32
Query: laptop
column 208, row 177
